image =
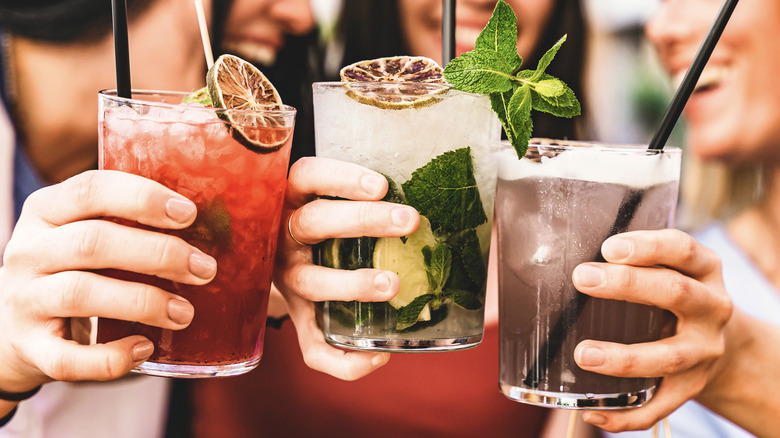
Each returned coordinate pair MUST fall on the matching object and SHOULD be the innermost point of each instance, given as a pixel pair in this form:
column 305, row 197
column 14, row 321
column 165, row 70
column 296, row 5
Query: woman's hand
column 670, row 270
column 311, row 220
column 48, row 283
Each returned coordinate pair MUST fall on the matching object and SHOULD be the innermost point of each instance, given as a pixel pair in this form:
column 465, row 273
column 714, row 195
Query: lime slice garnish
column 394, row 69
column 238, row 85
column 405, row 258
column 418, row 80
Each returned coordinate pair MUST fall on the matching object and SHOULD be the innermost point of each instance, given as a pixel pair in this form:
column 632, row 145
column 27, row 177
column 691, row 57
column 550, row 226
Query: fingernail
column 142, row 351
column 180, row 210
column 180, row 311
column 382, row 282
column 594, row 419
column 616, row 248
column 402, row 216
column 588, row 275
column 591, row 357
column 202, row 265
column 372, row 183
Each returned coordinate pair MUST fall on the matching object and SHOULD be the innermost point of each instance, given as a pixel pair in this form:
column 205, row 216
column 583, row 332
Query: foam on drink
column 629, row 168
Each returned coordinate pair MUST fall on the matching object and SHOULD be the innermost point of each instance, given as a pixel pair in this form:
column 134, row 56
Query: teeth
column 252, row 52
column 709, row 76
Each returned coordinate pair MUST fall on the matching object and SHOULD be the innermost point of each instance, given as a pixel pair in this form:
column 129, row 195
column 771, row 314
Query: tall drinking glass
column 239, row 195
column 554, row 209
column 436, row 146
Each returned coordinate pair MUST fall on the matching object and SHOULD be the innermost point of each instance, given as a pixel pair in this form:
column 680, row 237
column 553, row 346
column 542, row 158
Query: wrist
column 18, row 396
column 7, row 411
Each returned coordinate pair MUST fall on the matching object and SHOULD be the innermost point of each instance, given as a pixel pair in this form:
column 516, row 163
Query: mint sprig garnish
column 494, row 68
column 445, row 191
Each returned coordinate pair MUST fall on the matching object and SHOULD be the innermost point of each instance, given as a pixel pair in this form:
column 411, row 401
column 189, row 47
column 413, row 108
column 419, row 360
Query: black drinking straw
column 121, row 50
column 632, row 200
column 447, row 31
column 689, row 81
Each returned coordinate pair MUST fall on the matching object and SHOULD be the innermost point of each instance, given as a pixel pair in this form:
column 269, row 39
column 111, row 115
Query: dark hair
column 371, row 29
column 297, row 66
column 63, row 21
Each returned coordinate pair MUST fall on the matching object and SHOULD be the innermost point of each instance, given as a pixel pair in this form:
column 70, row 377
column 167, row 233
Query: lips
column 711, row 77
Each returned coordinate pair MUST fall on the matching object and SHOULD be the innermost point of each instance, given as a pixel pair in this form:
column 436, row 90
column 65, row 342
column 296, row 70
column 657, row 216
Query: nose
column 297, row 16
column 677, row 21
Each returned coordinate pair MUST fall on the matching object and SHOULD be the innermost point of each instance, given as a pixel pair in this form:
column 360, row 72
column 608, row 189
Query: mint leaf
column 547, row 58
column 519, row 114
column 471, row 256
column 213, row 223
column 465, row 299
column 520, row 107
column 550, row 87
column 394, row 193
column 201, row 96
column 439, row 263
column 500, row 104
column 480, row 71
column 407, row 315
column 445, row 191
column 493, row 68
column 500, row 35
column 468, row 271
column 563, row 105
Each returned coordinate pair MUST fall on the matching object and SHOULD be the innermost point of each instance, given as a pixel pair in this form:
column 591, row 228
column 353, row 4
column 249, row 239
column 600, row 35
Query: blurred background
column 627, row 91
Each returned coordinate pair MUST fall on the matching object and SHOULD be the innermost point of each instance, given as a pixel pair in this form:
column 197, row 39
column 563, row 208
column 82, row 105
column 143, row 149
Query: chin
column 708, row 147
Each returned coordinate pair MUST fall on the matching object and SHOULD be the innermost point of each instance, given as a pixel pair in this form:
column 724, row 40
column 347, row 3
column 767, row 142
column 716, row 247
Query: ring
column 289, row 230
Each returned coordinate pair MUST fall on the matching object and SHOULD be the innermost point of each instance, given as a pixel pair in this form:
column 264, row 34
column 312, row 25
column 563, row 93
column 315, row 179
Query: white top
column 132, row 407
column 753, row 294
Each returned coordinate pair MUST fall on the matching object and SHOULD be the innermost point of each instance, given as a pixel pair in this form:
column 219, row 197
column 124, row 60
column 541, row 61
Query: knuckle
column 687, row 249
column 350, row 373
column 89, row 240
column 365, row 215
column 114, row 365
column 673, row 362
column 302, row 283
column 166, row 250
column 146, row 199
column 678, row 290
column 143, row 301
column 307, row 217
column 84, row 187
column 59, row 367
column 302, row 166
column 15, row 253
column 627, row 364
column 625, row 277
column 75, row 293
column 711, row 260
column 724, row 307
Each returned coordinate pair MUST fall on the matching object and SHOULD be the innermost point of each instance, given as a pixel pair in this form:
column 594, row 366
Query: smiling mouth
column 710, row 78
column 255, row 53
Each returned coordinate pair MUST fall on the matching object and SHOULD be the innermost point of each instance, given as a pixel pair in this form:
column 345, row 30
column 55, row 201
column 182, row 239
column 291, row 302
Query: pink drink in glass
column 239, row 195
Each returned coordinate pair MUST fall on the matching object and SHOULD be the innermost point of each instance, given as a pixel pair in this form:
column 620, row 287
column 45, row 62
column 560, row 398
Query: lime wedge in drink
column 404, row 256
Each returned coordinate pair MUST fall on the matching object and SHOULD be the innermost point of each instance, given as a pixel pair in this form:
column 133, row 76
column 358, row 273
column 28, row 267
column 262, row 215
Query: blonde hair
column 715, row 190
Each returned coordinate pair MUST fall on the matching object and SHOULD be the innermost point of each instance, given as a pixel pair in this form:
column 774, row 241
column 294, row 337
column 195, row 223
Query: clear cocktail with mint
column 435, row 145
column 233, row 165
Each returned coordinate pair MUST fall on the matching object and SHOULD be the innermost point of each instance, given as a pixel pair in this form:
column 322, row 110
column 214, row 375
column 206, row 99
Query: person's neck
column 55, row 104
column 757, row 230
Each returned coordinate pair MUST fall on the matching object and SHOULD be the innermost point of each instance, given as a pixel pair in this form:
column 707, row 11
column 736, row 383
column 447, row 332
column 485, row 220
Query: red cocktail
column 239, row 194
